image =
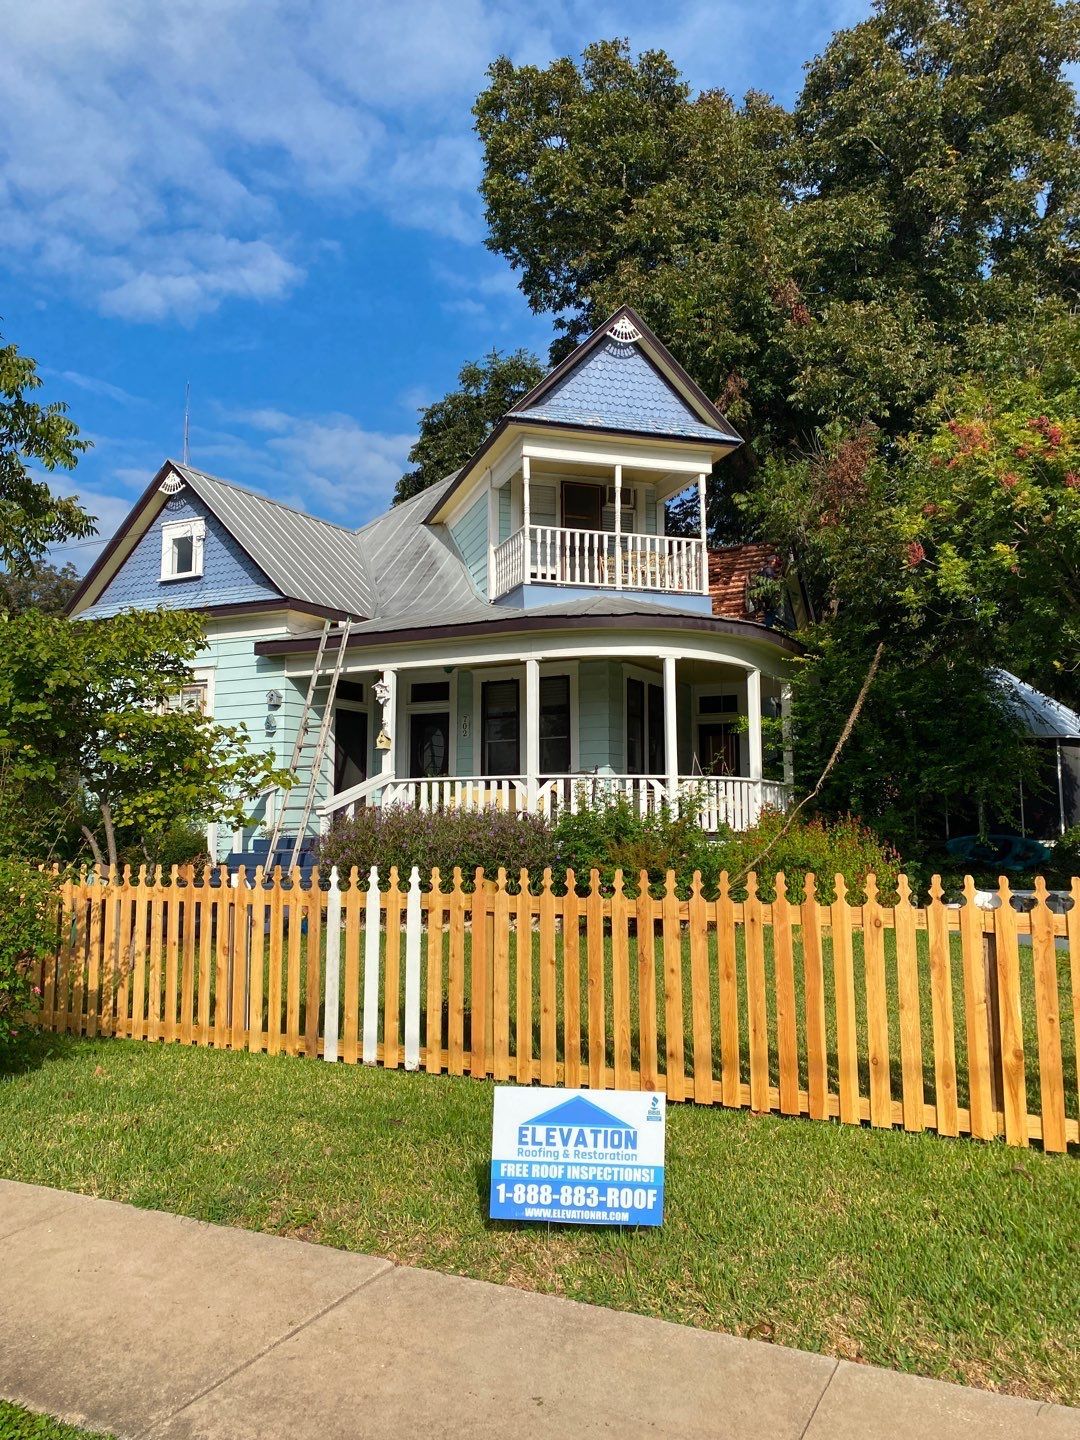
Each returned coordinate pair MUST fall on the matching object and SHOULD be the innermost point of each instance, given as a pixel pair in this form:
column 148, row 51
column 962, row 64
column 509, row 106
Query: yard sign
column 559, row 1155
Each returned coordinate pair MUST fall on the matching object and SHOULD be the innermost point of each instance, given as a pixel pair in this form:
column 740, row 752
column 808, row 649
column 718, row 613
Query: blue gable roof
column 616, row 388
column 230, row 576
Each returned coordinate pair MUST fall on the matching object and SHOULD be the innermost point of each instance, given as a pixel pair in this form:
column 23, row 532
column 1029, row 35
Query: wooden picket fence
column 942, row 1017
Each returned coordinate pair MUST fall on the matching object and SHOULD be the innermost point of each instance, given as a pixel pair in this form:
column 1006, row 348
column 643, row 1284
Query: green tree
column 45, row 587
column 90, row 715
column 31, row 517
column 456, row 425
column 824, row 264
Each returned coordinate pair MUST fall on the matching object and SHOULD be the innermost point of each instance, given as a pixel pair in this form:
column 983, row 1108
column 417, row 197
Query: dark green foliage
column 612, row 837
column 45, row 588
column 27, row 935
column 459, row 423
column 31, row 516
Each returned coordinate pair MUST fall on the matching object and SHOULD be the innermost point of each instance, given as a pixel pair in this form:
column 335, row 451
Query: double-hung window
column 182, row 549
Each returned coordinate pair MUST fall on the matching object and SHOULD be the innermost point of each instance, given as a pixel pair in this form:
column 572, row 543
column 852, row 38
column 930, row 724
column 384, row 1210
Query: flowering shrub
column 614, row 836
column 609, row 837
column 824, row 848
column 405, row 837
column 27, row 936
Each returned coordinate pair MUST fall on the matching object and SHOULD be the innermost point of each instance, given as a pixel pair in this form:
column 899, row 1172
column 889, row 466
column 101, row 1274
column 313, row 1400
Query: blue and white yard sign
column 578, row 1157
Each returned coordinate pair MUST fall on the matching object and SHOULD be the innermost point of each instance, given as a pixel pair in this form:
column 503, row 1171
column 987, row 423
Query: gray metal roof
column 306, row 558
column 416, row 574
column 1042, row 717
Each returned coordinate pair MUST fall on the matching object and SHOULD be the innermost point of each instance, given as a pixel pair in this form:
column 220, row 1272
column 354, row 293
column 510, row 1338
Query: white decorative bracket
column 171, row 486
column 624, row 333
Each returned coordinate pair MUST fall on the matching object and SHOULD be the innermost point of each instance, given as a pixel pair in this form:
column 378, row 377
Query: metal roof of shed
column 1042, row 717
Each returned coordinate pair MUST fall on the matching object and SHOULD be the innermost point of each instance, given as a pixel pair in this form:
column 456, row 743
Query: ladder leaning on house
column 321, row 671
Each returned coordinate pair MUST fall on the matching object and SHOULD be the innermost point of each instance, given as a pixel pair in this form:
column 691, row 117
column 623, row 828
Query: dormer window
column 182, row 549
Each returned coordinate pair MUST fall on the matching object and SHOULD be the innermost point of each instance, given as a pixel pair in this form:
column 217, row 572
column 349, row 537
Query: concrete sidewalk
column 148, row 1324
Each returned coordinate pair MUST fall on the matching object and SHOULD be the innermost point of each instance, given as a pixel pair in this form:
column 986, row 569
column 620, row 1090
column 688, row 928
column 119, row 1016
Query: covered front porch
column 545, row 735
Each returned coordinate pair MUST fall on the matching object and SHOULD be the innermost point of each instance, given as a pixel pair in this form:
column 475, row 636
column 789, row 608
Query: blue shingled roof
column 616, row 388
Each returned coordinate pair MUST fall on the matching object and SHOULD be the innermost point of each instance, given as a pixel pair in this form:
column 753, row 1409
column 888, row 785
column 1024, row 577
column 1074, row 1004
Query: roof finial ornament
column 623, row 333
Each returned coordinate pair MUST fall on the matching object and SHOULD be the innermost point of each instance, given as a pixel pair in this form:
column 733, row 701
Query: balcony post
column 671, row 731
column 702, row 531
column 618, row 527
column 785, row 726
column 526, row 519
column 753, row 718
column 532, row 734
column 493, row 534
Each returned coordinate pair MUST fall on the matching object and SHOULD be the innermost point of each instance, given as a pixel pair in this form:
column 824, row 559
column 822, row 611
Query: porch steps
column 259, row 853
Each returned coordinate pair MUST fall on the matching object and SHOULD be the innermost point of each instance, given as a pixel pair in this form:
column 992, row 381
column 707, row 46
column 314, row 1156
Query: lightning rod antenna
column 187, row 420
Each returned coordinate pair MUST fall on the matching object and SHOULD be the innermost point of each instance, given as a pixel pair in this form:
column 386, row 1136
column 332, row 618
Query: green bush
column 614, row 836
column 824, row 848
column 27, row 936
column 1064, row 863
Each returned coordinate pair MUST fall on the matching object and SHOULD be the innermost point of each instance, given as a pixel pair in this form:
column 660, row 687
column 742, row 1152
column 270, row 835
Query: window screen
column 500, row 728
column 555, row 725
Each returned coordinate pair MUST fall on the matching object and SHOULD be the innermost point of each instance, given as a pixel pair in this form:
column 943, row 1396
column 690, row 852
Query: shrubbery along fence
column 943, row 1017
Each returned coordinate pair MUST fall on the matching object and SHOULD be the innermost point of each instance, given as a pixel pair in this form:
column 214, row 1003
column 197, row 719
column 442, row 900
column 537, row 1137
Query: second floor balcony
column 558, row 555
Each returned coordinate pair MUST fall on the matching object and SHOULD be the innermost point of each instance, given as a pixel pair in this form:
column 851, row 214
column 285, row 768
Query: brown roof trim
column 111, row 547
column 525, row 623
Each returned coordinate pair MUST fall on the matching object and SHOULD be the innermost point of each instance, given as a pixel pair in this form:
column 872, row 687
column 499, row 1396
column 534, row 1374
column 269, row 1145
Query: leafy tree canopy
column 46, row 587
column 876, row 287
column 31, row 517
column 92, row 710
column 456, row 425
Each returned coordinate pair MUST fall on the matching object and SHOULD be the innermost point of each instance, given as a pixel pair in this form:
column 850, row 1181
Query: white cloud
column 93, row 384
column 152, row 156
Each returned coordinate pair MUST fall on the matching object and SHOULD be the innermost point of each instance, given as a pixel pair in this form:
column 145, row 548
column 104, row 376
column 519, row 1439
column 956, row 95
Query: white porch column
column 753, row 717
column 785, row 726
column 702, row 531
column 671, row 731
column 618, row 527
column 532, row 733
column 386, row 694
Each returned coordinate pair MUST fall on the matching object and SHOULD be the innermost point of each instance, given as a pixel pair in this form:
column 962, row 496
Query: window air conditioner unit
column 627, row 496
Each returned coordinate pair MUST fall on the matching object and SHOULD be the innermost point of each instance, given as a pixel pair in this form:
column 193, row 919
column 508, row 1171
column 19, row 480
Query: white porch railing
column 716, row 800
column 554, row 555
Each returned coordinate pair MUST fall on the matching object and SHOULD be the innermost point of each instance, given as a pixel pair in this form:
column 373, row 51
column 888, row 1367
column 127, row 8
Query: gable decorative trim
column 623, row 332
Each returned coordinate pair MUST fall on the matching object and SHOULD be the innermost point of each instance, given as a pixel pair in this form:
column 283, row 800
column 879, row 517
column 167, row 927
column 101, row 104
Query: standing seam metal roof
column 306, row 558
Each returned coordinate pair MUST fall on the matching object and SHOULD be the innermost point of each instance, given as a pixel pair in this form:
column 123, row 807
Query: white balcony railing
column 715, row 800
column 552, row 554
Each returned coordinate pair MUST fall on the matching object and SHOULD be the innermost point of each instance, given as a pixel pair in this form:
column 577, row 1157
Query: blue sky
column 276, row 201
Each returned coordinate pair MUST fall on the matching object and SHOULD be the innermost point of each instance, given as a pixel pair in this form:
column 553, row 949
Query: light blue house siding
column 471, row 538
column 600, row 716
column 230, row 576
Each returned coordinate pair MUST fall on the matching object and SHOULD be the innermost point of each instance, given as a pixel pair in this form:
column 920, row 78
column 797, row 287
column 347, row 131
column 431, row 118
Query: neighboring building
column 1054, row 732
column 523, row 634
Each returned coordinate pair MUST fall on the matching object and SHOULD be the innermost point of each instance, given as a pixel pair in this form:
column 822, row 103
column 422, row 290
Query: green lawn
column 944, row 1257
column 19, row 1424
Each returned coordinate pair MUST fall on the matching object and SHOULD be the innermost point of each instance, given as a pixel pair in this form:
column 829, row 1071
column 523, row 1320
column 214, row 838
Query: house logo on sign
column 576, row 1126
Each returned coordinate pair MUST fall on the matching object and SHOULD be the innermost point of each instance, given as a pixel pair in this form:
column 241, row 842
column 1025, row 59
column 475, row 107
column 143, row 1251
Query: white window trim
column 176, row 530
